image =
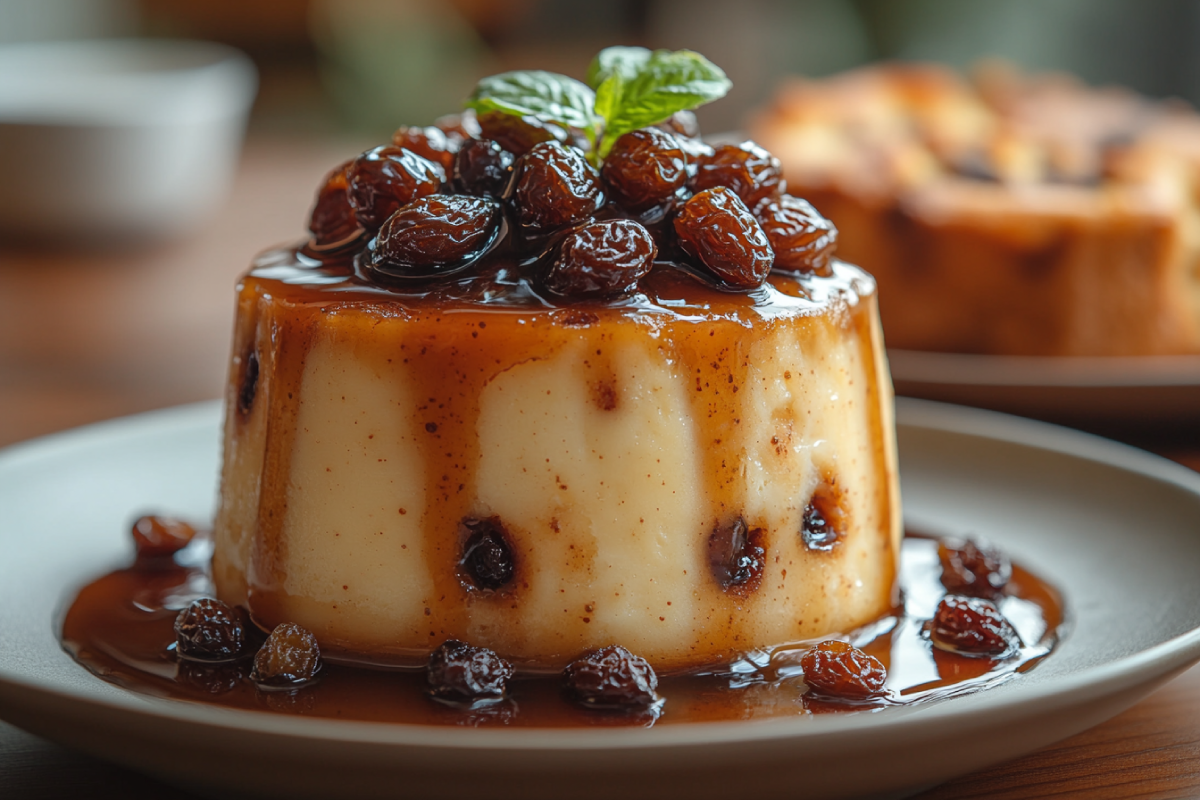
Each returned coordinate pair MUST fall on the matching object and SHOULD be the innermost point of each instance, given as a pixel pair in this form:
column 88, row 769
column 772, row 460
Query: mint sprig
column 633, row 88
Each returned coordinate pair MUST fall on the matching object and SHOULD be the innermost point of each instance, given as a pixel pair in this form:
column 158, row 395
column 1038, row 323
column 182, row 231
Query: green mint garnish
column 634, row 88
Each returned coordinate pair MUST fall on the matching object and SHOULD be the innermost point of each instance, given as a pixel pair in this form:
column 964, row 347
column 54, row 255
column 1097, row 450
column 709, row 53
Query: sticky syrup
column 120, row 627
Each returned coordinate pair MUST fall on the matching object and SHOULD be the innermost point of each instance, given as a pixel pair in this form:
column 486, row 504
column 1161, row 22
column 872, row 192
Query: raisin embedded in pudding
column 580, row 388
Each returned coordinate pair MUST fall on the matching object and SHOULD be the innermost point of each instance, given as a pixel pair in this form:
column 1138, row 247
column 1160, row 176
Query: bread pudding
column 1005, row 215
column 545, row 389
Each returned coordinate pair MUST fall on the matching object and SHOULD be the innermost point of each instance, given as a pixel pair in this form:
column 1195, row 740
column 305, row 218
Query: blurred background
column 92, row 327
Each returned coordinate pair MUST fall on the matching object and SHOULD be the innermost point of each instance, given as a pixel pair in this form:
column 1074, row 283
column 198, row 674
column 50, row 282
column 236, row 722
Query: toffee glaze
column 120, row 628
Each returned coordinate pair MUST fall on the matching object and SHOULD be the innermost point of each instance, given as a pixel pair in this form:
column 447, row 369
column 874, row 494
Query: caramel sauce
column 120, row 628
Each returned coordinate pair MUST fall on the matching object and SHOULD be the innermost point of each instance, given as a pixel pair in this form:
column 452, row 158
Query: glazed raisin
column 602, row 259
column 249, row 387
column 431, row 143
column 518, row 135
column 716, row 228
column 483, row 167
column 556, row 187
column 332, row 221
column 463, row 125
column 644, row 169
column 681, row 123
column 487, row 557
column 389, row 177
column 461, row 673
column 611, row 677
column 972, row 626
column 435, row 235
column 803, row 240
column 817, row 531
column 160, row 537
column 972, row 570
column 841, row 670
column 290, row 657
column 735, row 555
column 748, row 170
column 209, row 630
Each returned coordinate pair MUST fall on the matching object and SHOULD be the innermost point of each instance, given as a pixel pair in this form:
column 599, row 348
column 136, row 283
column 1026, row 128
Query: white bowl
column 118, row 138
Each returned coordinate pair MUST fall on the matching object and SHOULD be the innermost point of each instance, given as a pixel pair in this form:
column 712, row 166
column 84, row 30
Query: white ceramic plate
column 1162, row 389
column 1116, row 529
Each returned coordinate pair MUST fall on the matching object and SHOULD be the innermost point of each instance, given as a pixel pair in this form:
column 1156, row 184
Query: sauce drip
column 120, row 627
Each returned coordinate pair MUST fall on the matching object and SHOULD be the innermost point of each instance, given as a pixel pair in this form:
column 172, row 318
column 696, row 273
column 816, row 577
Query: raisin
column 519, row 135
column 160, row 537
column 972, row 626
column 681, row 123
column 972, row 570
column 332, row 221
column 803, row 240
column 435, row 235
column 748, row 170
column 483, row 167
column 841, row 670
column 823, row 522
column 461, row 673
column 386, row 178
column 487, row 557
column 463, row 125
column 249, row 387
column 644, row 169
column 716, row 227
column 431, row 143
column 556, row 187
column 602, row 259
column 209, row 630
column 735, row 555
column 611, row 677
column 288, row 658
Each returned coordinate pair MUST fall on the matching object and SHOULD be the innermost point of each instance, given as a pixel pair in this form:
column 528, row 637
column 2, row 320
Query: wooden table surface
column 87, row 335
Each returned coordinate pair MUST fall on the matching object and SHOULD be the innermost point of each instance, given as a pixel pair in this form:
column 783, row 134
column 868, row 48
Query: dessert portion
column 1007, row 215
column 557, row 376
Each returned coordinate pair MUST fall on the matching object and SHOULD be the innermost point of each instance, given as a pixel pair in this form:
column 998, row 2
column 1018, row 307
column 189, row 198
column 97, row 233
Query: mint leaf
column 626, row 60
column 546, row 95
column 634, row 95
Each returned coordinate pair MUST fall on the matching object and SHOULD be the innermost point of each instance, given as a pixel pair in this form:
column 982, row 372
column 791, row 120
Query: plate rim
column 1163, row 659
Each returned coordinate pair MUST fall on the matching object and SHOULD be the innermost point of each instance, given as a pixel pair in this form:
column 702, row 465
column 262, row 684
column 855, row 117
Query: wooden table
column 88, row 335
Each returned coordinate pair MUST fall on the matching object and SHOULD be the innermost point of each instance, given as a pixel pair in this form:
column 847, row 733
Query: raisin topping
column 613, row 678
column 435, row 235
column 462, row 126
column 209, row 630
column 840, row 670
column 431, row 142
column 518, row 135
column 716, row 228
column 972, row 626
column 160, row 537
column 746, row 169
column 681, row 123
column 644, row 169
column 288, row 659
column 386, row 178
column 556, row 187
column 483, row 167
column 972, row 570
column 803, row 240
column 460, row 673
column 602, row 259
column 735, row 555
column 249, row 387
column 487, row 559
column 332, row 221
